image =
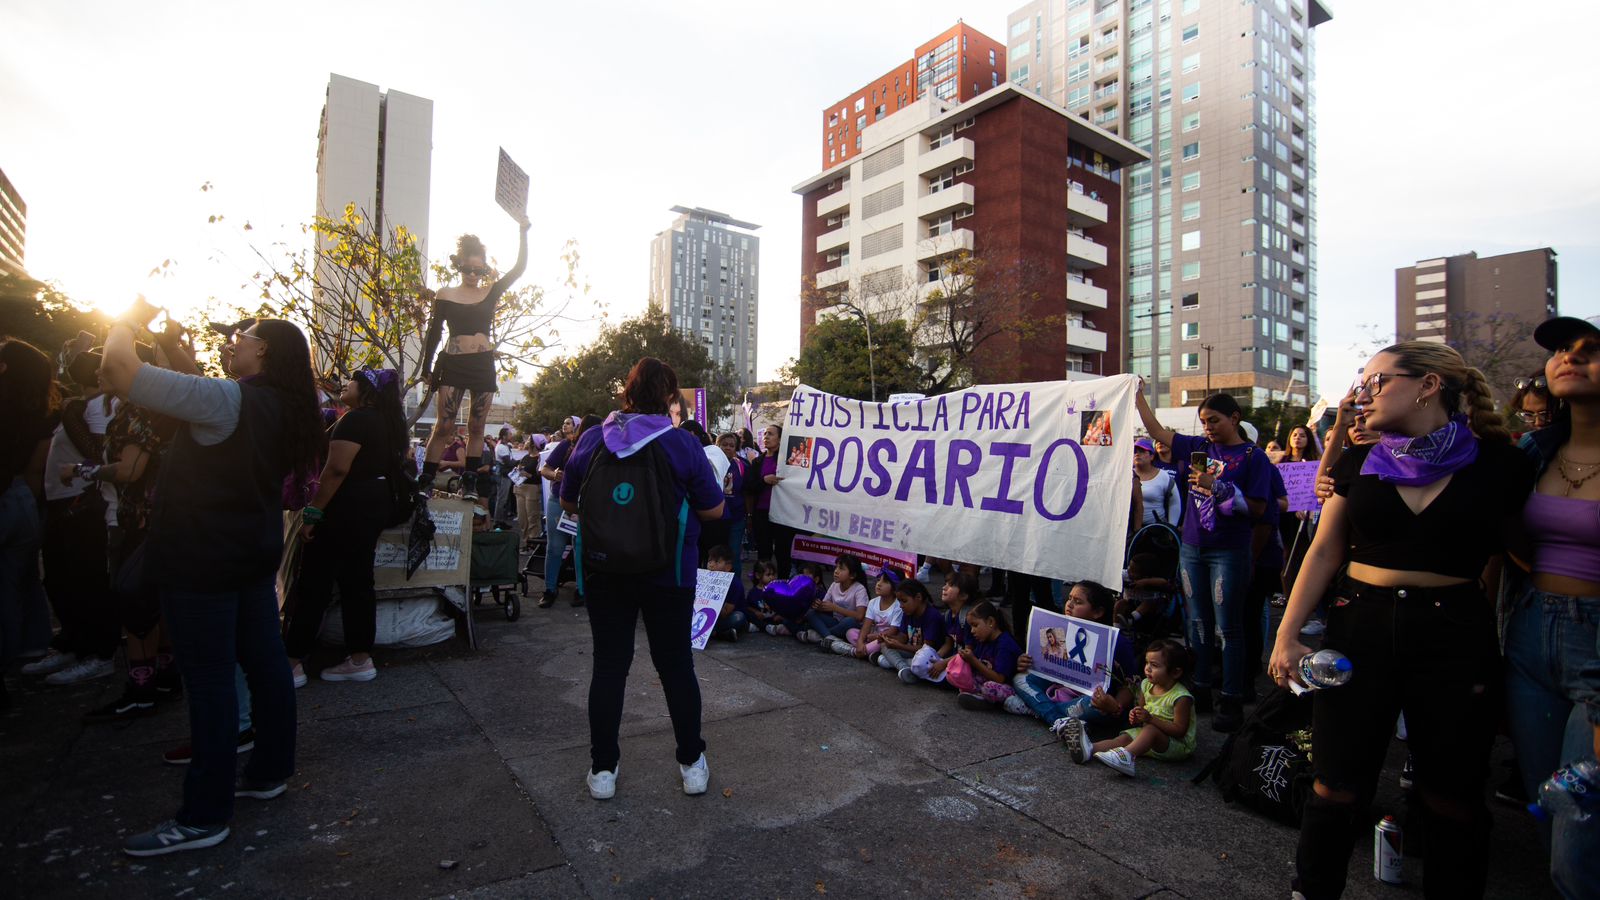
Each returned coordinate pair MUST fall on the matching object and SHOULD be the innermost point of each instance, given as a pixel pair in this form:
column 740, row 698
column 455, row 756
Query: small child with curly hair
column 1163, row 718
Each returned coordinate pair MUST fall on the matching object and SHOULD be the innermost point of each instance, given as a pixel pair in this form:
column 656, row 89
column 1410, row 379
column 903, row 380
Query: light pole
column 866, row 322
column 1155, row 347
column 1207, row 348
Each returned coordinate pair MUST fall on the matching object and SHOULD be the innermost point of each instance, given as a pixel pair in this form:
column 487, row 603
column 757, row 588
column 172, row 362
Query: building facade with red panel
column 955, row 66
column 1004, row 195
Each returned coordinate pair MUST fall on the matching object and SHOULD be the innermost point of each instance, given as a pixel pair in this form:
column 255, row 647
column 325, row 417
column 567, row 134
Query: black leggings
column 75, row 577
column 342, row 551
column 615, row 603
column 1432, row 653
column 774, row 542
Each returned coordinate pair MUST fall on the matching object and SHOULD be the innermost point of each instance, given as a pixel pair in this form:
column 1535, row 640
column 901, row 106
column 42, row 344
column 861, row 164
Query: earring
column 1422, row 403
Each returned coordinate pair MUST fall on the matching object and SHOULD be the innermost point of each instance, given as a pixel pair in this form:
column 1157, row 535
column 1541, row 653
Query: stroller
column 1155, row 547
column 539, row 547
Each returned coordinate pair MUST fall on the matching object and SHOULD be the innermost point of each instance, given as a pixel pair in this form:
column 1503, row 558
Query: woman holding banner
column 773, row 541
column 1230, row 484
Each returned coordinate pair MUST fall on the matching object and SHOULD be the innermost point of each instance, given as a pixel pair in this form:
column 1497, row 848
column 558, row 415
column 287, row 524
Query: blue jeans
column 1031, row 688
column 556, row 542
column 24, row 611
column 1553, row 693
column 829, row 624
column 215, row 633
column 1215, row 581
column 734, row 621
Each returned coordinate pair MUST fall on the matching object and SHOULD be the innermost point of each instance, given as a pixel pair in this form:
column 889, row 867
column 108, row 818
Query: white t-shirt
column 884, row 619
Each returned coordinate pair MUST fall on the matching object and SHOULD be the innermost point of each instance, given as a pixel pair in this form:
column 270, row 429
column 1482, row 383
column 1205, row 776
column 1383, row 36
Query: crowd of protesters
column 1454, row 562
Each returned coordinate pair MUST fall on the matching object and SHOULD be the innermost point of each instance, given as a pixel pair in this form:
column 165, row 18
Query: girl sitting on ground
column 989, row 663
column 843, row 607
column 783, row 597
column 1068, row 711
column 880, row 621
column 912, row 652
column 960, row 592
column 1163, row 720
column 761, row 575
column 735, row 615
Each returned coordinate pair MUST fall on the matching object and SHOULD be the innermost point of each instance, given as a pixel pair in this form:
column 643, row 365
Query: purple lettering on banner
column 894, row 415
column 920, row 465
column 957, row 471
column 880, row 426
column 838, row 471
column 1080, row 488
column 841, row 418
column 1006, row 400
column 941, row 416
column 811, row 413
column 821, row 455
column 970, row 403
column 797, row 406
column 1300, row 480
column 1010, row 452
column 986, row 415
column 878, row 484
column 1023, row 417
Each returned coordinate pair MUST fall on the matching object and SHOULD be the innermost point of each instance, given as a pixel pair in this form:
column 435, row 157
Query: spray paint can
column 1386, row 854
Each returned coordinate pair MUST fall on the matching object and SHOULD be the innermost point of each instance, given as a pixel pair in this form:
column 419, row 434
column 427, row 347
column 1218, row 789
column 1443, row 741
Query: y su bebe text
column 872, row 465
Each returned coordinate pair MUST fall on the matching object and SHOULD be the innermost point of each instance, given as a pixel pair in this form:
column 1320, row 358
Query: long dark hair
column 987, row 610
column 28, row 397
column 386, row 400
column 286, row 368
column 1311, row 444
column 651, row 387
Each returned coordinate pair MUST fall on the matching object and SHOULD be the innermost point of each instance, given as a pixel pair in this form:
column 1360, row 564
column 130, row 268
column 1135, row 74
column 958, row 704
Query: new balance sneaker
column 969, row 700
column 53, row 661
column 1016, row 707
column 135, row 701
column 1070, row 731
column 695, row 776
column 256, row 789
column 183, row 753
column 602, row 785
column 1118, row 758
column 170, row 837
column 908, row 676
column 351, row 671
column 843, row 648
column 810, row 637
column 86, row 669
column 299, row 673
column 778, row 630
column 168, row 683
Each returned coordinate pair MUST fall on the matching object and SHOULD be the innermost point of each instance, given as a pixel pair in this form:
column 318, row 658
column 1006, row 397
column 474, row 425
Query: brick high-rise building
column 1478, row 304
column 1004, row 192
column 13, row 228
column 1221, row 255
column 703, row 275
column 956, row 66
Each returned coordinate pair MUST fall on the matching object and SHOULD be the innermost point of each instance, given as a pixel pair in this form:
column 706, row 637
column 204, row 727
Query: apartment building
column 704, row 271
column 955, row 66
column 1005, row 179
column 1477, row 303
column 1221, row 244
column 13, row 229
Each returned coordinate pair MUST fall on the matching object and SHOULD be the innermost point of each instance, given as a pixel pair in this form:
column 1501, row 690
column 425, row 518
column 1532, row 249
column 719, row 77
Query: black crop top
column 1455, row 534
column 470, row 318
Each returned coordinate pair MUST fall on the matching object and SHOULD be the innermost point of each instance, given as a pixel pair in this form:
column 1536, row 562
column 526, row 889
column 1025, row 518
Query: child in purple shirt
column 992, row 658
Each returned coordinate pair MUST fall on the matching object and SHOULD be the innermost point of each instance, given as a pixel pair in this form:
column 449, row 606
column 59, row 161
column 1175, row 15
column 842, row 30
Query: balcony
column 1297, row 346
column 1109, row 90
column 953, row 197
column 1084, row 253
column 829, row 278
column 1298, row 142
column 1106, row 14
column 1299, row 287
column 833, row 240
column 1106, row 117
column 1298, row 258
column 1298, row 198
column 1298, row 171
column 1084, row 339
column 1084, row 210
column 1081, row 296
column 941, row 158
column 838, row 201
column 944, row 244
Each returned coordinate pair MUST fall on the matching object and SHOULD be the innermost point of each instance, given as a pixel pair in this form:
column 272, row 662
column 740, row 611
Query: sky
column 1442, row 128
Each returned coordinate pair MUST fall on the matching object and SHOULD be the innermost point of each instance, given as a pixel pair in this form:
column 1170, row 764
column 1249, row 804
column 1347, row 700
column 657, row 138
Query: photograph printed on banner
column 800, row 452
column 1096, row 430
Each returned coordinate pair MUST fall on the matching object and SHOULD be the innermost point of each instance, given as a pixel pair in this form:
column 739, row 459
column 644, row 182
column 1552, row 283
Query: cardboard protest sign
column 1300, row 480
column 1074, row 652
column 710, row 591
column 1027, row 477
column 826, row 550
column 511, row 187
column 448, row 560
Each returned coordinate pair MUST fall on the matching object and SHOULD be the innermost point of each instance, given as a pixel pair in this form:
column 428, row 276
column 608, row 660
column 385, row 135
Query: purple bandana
column 1401, row 460
column 379, row 378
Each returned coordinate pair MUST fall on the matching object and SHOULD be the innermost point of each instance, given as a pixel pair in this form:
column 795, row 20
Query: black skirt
column 468, row 371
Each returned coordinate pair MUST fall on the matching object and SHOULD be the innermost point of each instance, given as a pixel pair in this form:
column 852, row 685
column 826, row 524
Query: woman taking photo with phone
column 1417, row 517
column 1230, row 484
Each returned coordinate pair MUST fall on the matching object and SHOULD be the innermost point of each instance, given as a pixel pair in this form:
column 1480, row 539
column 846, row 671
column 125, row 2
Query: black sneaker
column 1202, row 701
column 974, row 702
column 1230, row 715
column 259, row 790
column 1510, row 791
column 134, row 702
column 168, row 683
column 1408, row 774
column 469, row 486
column 170, row 837
column 548, row 600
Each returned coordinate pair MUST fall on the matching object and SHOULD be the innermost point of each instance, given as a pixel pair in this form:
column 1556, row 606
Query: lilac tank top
column 1566, row 535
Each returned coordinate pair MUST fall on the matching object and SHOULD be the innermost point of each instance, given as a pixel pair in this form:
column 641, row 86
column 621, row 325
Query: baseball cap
column 1250, row 433
column 1145, row 445
column 1553, row 334
column 227, row 330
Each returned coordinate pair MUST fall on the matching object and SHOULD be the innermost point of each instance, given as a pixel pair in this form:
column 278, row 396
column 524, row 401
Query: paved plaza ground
column 460, row 773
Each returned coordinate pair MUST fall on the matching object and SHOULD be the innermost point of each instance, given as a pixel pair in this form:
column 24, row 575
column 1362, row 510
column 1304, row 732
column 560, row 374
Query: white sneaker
column 1313, row 628
column 350, row 671
column 603, row 785
column 1016, row 707
column 299, row 673
column 86, row 669
column 907, row 676
column 1117, row 758
column 1072, row 733
column 810, row 636
column 843, row 648
column 52, row 662
column 696, row 776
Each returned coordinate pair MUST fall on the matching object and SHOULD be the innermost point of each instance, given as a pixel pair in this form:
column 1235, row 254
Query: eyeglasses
column 1538, row 419
column 1373, row 385
column 234, row 338
column 1536, row 383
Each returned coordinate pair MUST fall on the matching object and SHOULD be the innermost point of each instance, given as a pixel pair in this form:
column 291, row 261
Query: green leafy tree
column 41, row 314
column 835, row 359
column 591, row 380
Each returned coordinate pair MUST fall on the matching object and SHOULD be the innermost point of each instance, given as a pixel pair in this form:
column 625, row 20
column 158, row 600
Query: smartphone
column 1197, row 460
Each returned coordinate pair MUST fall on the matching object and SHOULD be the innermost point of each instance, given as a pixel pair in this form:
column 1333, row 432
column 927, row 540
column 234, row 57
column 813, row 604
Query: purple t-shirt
column 759, row 487
column 733, row 491
column 1243, row 465
column 924, row 628
column 1001, row 654
column 692, row 479
column 955, row 626
column 737, row 596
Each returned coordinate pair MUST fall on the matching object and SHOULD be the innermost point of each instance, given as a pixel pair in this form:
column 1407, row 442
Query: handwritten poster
column 710, row 590
column 1300, row 480
column 511, row 187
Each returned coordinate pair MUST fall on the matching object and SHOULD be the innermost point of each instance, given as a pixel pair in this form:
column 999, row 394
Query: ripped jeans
column 1215, row 583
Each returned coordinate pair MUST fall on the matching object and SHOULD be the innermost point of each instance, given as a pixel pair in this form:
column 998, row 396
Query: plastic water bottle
column 1573, row 793
column 1324, row 669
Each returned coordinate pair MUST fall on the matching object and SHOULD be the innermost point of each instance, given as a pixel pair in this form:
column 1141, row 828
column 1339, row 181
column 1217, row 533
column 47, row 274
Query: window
column 1191, row 331
column 861, row 104
column 1191, row 33
column 1191, row 361
column 1191, row 62
column 991, row 57
column 1190, row 6
column 880, row 112
column 1018, row 29
column 1191, row 182
column 1191, row 92
column 1191, row 211
column 1191, row 240
column 1191, row 122
column 1191, row 271
column 1191, row 151
column 861, row 121
column 994, row 79
column 1191, row 301
column 1021, row 50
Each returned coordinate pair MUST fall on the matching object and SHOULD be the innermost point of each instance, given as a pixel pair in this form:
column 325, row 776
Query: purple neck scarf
column 1400, row 460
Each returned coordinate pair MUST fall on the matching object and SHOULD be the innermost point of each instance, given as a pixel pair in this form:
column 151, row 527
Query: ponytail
column 1487, row 423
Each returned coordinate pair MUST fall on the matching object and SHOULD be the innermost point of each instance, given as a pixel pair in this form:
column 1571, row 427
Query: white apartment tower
column 704, row 269
column 1221, row 223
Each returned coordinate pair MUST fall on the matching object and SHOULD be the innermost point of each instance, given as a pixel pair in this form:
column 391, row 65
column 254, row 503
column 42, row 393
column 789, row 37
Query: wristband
column 86, row 471
column 310, row 515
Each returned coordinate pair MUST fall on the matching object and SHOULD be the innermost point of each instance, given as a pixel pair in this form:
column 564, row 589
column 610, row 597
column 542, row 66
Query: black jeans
column 615, row 603
column 75, row 576
column 1025, row 592
column 341, row 551
column 1434, row 654
column 774, row 542
column 1264, row 582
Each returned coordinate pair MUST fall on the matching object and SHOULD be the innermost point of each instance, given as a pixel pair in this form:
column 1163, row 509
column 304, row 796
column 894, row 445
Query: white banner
column 1034, row 478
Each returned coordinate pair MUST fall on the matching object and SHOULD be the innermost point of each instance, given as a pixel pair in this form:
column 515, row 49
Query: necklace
column 1574, row 484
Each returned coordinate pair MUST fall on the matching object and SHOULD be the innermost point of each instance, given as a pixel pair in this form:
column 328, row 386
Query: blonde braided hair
column 1462, row 388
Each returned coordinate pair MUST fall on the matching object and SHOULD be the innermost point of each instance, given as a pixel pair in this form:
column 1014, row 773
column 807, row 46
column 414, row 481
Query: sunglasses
column 1536, row 383
column 237, row 335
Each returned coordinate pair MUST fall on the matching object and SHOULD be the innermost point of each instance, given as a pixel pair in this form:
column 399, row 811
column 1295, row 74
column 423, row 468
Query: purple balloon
column 792, row 598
